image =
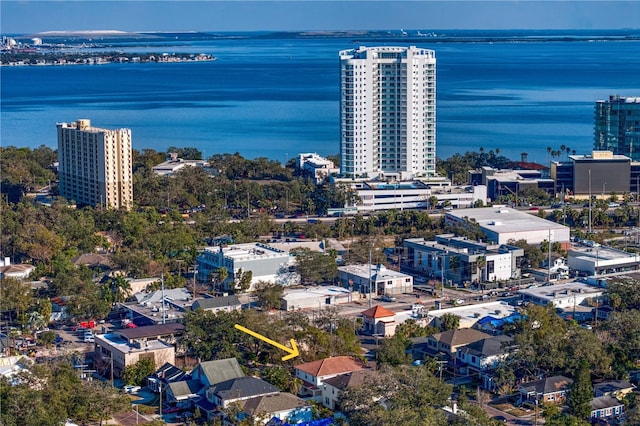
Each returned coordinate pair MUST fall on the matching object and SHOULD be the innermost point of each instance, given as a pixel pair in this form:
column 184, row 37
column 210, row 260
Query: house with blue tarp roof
column 493, row 325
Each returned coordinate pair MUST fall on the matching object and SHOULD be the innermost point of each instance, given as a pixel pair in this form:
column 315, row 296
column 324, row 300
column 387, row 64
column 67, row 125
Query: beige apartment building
column 95, row 165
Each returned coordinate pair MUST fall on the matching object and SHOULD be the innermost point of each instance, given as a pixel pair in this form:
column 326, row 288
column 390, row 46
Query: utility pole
column 549, row 259
column 589, row 203
column 111, row 368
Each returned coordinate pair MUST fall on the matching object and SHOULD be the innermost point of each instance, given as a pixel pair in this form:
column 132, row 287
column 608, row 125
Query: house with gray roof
column 449, row 341
column 239, row 389
column 333, row 387
column 550, row 389
column 283, row 406
column 606, row 408
column 185, row 392
column 480, row 358
column 210, row 373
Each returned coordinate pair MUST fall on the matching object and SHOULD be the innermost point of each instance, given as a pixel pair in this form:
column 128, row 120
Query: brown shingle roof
column 349, row 380
column 378, row 312
column 331, row 366
column 462, row 336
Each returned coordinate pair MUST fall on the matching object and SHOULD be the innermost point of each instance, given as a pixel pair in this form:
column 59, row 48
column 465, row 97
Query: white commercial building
column 95, row 165
column 319, row 167
column 598, row 260
column 266, row 263
column 416, row 194
column 314, row 297
column 503, row 224
column 388, row 111
column 470, row 314
column 563, row 296
column 379, row 279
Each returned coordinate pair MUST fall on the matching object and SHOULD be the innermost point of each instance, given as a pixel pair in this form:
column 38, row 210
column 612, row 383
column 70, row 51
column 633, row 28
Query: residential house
column 481, row 357
column 164, row 375
column 217, row 304
column 206, row 374
column 182, row 393
column 615, row 388
column 449, row 341
column 314, row 373
column 606, row 407
column 550, row 389
column 238, row 389
column 253, row 397
column 20, row 271
column 282, row 406
column 379, row 320
column 333, row 387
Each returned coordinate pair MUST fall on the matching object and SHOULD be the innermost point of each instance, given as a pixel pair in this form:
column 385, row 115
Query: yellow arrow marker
column 293, row 350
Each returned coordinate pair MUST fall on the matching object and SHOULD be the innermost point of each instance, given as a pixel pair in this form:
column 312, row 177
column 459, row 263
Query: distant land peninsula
column 35, row 57
column 105, row 46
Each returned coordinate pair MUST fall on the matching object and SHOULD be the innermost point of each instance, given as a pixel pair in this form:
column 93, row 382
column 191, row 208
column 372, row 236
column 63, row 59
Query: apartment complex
column 617, row 126
column 95, row 165
column 388, row 111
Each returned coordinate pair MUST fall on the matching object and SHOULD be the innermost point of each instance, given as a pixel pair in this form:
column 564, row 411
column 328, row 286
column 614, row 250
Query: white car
column 131, row 389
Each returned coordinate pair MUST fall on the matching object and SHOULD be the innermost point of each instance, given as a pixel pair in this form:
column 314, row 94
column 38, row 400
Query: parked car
column 131, row 389
column 170, row 410
column 387, row 298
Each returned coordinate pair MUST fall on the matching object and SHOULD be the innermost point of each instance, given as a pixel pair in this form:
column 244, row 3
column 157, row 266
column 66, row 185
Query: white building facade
column 95, row 165
column 388, row 111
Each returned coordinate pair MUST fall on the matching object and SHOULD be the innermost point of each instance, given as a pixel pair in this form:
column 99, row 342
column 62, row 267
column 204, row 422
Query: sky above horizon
column 27, row 16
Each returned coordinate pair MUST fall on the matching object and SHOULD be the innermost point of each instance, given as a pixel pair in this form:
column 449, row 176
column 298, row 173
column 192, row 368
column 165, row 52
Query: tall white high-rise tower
column 388, row 111
column 95, row 165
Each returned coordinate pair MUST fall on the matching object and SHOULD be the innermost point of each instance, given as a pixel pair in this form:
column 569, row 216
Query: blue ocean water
column 278, row 97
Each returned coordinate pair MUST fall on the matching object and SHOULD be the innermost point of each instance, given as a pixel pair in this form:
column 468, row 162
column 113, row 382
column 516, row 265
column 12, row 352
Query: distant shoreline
column 40, row 59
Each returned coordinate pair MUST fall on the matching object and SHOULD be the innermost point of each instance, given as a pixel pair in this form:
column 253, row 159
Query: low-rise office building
column 599, row 260
column 502, row 224
column 461, row 261
column 128, row 346
column 265, row 263
column 563, row 296
column 320, row 168
column 174, row 164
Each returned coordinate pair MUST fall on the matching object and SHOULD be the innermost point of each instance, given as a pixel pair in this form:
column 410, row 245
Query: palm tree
column 481, row 262
column 121, row 288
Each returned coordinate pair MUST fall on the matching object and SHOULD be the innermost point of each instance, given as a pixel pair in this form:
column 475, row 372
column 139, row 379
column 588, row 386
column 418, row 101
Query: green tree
column 413, row 395
column 315, row 267
column 449, row 321
column 15, row 295
column 581, row 392
column 394, row 351
column 137, row 373
column 268, row 294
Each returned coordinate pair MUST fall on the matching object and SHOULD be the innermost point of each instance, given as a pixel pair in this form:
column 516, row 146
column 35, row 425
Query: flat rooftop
column 122, row 345
column 476, row 312
column 601, row 253
column 246, row 252
column 376, row 271
column 505, row 219
column 551, row 292
column 304, row 293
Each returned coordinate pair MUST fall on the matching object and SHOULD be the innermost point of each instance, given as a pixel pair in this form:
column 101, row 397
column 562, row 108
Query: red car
column 170, row 410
